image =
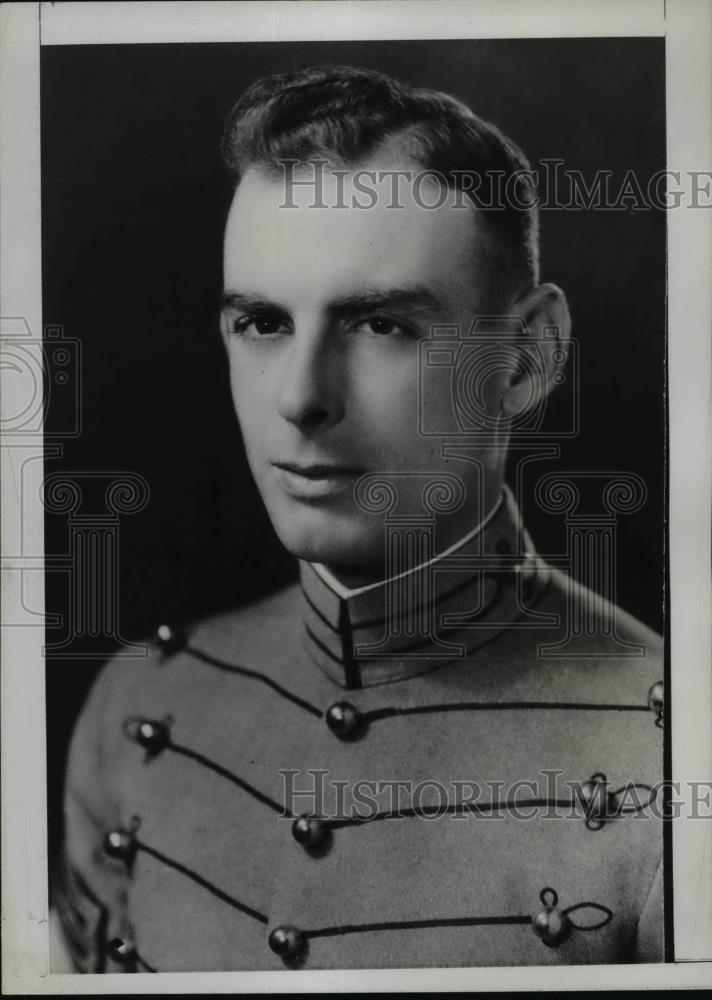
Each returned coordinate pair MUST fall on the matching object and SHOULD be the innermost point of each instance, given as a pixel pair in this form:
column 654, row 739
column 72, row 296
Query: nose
column 310, row 395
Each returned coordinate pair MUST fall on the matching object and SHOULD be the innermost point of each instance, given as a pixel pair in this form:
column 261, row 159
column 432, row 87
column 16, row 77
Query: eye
column 269, row 323
column 264, row 324
column 382, row 326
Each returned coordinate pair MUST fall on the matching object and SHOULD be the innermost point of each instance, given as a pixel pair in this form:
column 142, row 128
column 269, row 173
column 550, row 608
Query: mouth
column 316, row 481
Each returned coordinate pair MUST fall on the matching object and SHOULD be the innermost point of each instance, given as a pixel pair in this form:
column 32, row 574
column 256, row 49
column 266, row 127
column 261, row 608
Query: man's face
column 324, row 314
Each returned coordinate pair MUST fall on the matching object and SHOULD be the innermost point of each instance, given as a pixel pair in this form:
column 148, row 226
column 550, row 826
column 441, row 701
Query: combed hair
column 343, row 114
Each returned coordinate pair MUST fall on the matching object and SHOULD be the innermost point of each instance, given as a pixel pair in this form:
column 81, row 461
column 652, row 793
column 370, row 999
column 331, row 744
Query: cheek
column 250, row 397
column 385, row 398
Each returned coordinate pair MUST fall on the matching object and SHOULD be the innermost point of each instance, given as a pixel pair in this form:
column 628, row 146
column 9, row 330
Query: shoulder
column 260, row 626
column 598, row 610
column 256, row 628
column 166, row 672
column 582, row 627
column 603, row 668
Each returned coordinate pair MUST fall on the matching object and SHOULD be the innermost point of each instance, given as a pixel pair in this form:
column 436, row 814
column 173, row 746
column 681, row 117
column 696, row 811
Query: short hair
column 343, row 113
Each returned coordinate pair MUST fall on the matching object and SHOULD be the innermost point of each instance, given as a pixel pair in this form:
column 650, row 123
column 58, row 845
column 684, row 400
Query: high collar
column 415, row 621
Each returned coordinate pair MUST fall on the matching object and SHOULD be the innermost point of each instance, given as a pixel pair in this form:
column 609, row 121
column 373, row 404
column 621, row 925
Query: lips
column 316, row 481
column 319, row 470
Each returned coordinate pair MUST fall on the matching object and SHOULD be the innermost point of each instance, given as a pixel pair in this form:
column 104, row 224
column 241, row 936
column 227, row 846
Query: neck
column 422, row 618
column 352, row 581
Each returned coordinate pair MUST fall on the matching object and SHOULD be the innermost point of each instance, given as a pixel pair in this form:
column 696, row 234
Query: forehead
column 305, row 251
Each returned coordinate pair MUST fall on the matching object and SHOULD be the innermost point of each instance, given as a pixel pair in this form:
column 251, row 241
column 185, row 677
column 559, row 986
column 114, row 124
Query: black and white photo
column 357, row 455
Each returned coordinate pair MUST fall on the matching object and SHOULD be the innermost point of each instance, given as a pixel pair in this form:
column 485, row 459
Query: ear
column 544, row 348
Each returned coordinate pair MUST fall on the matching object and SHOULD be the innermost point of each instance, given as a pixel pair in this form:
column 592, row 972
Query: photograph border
column 687, row 28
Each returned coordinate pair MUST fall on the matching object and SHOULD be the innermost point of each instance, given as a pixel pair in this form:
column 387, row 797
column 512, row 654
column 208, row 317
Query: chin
column 339, row 542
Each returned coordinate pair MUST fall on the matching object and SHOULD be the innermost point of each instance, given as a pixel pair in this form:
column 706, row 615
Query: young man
column 436, row 750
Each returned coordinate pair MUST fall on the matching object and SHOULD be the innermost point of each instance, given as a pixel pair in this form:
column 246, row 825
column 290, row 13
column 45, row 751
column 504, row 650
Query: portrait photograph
column 359, row 527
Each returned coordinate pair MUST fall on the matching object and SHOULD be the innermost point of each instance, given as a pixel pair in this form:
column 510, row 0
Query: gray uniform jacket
column 328, row 779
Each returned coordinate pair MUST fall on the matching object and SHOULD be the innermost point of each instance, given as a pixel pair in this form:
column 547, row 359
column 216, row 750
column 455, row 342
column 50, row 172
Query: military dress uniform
column 223, row 806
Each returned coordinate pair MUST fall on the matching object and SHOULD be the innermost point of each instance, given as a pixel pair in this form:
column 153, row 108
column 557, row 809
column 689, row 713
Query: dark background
column 133, row 202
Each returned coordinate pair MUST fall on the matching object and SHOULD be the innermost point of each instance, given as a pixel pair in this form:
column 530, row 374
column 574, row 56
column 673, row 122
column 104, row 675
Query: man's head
column 344, row 115
column 326, row 308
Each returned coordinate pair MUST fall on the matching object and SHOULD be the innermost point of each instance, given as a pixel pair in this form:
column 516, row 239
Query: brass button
column 343, row 720
column 309, row 831
column 151, row 734
column 121, row 845
column 169, row 639
column 656, row 701
column 550, row 923
column 287, row 942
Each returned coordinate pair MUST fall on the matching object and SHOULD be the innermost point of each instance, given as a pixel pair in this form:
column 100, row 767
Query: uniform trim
column 352, row 668
column 199, row 880
column 413, row 607
column 392, row 711
column 548, row 897
column 233, row 668
column 504, row 706
column 596, row 812
column 211, row 765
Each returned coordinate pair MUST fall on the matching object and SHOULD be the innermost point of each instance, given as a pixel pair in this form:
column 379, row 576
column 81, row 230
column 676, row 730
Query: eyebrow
column 416, row 298
column 250, row 303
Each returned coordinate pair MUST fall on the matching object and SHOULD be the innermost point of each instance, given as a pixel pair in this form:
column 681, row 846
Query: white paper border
column 687, row 25
column 689, row 131
column 276, row 21
column 22, row 690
